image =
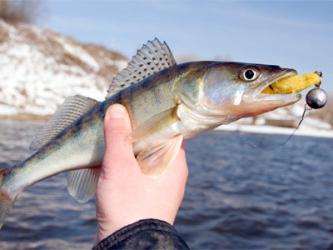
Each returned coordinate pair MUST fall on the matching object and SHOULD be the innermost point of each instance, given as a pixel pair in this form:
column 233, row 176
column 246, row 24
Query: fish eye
column 249, row 74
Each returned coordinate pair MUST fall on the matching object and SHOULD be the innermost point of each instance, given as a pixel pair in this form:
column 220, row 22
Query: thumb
column 117, row 134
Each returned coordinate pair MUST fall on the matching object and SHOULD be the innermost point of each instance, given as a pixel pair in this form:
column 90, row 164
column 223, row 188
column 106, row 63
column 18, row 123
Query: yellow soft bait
column 293, row 84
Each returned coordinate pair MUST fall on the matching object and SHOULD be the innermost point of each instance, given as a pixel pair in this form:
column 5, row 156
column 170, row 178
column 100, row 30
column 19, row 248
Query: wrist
column 107, row 229
column 104, row 233
column 160, row 232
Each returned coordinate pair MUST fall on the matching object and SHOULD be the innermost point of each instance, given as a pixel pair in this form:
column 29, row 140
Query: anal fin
column 82, row 183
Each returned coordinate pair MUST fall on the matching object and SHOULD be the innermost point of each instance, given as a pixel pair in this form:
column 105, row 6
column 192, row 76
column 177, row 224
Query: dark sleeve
column 144, row 234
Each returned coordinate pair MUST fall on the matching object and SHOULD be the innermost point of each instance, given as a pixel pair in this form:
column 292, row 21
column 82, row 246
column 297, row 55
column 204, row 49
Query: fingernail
column 116, row 111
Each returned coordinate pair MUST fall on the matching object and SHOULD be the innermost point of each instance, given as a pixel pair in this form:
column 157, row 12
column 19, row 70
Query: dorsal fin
column 153, row 57
column 72, row 108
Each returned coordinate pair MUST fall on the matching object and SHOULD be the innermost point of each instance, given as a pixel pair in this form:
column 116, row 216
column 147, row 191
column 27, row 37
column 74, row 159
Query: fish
column 167, row 102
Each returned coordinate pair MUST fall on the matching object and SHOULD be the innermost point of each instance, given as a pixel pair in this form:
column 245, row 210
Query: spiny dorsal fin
column 82, row 183
column 71, row 110
column 153, row 57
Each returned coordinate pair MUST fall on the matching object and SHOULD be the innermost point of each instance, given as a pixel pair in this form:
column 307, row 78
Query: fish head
column 235, row 89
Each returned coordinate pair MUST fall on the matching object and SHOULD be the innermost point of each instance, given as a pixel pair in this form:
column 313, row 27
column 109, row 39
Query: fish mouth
column 284, row 99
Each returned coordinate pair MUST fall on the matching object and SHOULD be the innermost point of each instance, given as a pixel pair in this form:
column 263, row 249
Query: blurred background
column 252, row 191
column 81, row 45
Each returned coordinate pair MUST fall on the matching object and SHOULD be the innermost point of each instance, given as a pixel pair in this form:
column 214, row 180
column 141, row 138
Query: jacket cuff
column 144, row 234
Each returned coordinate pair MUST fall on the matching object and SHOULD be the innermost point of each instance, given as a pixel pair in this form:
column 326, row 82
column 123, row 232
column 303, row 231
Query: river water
column 244, row 192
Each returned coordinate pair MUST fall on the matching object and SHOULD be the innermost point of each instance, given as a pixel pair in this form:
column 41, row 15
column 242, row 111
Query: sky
column 295, row 34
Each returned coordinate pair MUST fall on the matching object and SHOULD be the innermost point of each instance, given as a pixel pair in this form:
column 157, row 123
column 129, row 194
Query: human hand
column 124, row 194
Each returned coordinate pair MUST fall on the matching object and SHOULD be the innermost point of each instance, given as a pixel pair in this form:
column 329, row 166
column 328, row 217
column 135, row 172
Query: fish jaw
column 216, row 93
column 257, row 102
column 227, row 93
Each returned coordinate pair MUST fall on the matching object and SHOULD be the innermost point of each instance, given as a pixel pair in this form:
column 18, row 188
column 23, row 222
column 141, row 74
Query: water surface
column 239, row 196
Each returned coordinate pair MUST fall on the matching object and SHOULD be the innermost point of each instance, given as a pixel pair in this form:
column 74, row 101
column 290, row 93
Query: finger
column 178, row 167
column 181, row 158
column 117, row 134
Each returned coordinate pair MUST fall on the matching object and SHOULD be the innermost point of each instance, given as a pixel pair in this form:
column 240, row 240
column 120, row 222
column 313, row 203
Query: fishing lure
column 316, row 98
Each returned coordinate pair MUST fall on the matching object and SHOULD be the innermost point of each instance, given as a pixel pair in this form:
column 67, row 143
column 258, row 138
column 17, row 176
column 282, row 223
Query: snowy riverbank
column 258, row 129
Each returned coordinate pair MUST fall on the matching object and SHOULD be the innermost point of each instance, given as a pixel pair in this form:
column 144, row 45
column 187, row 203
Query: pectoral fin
column 156, row 159
column 156, row 125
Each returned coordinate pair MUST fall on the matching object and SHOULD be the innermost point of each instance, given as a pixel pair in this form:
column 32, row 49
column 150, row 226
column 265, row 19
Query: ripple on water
column 239, row 196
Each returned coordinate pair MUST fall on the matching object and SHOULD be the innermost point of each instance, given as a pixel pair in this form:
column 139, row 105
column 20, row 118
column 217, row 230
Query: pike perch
column 166, row 103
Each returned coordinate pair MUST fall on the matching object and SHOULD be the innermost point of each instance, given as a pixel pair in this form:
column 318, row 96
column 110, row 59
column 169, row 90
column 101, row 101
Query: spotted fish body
column 166, row 103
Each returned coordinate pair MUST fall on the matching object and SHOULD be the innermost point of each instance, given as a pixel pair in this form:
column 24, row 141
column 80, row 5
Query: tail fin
column 6, row 200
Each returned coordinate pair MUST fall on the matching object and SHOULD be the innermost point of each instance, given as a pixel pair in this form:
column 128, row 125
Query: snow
column 40, row 68
column 309, row 127
column 79, row 52
column 257, row 129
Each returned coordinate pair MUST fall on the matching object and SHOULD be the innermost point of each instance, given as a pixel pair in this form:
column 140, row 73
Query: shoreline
column 258, row 129
column 254, row 129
